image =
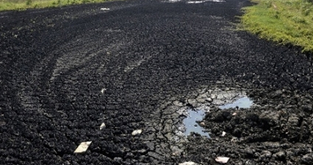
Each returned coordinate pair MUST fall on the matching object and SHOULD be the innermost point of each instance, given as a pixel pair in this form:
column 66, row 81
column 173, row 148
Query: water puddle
column 244, row 102
column 191, row 125
column 195, row 2
column 202, row 101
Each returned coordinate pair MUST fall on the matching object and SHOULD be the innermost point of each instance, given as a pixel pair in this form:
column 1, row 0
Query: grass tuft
column 282, row 21
column 28, row 4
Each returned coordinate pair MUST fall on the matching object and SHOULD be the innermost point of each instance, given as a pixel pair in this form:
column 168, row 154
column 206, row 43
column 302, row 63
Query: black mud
column 138, row 66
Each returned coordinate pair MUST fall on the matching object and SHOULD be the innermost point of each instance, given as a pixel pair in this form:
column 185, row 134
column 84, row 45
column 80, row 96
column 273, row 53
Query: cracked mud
column 113, row 83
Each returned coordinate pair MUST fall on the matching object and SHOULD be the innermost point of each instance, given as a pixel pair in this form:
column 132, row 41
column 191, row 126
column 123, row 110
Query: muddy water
column 191, row 124
column 223, row 100
column 244, row 102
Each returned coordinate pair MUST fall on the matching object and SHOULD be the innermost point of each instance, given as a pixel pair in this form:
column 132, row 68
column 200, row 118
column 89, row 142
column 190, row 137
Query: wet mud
column 112, row 83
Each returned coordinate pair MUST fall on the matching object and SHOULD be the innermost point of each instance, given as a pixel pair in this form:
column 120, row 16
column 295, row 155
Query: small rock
column 178, row 103
column 221, row 159
column 223, row 133
column 209, row 100
column 234, row 140
column 82, row 147
column 137, row 132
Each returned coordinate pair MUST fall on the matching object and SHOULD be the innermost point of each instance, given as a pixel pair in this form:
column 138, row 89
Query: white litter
column 195, row 2
column 223, row 133
column 188, row 163
column 222, row 159
column 103, row 90
column 105, row 9
column 136, row 132
column 102, row 126
column 82, row 147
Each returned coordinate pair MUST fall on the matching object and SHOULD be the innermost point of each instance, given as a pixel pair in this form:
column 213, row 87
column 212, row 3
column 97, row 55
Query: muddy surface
column 123, row 76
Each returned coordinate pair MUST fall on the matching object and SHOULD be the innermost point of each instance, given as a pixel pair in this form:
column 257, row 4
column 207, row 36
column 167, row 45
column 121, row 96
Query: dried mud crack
column 120, row 81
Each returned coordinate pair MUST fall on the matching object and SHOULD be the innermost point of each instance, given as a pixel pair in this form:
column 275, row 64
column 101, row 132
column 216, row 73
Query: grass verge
column 28, row 4
column 282, row 21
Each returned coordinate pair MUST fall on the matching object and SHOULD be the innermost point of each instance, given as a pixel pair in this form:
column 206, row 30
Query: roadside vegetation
column 282, row 21
column 27, row 4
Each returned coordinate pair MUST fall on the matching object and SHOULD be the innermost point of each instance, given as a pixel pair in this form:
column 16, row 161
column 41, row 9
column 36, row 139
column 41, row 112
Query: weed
column 283, row 21
column 26, row 4
column 29, row 2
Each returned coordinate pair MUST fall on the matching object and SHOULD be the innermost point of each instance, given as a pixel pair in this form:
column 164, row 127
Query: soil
column 134, row 70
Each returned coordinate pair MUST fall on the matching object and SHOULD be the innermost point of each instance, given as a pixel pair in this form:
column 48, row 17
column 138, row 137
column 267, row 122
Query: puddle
column 191, row 125
column 204, row 99
column 195, row 2
column 244, row 102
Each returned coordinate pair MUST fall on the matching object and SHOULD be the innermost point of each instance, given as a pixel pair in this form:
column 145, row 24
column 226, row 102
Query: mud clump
column 275, row 133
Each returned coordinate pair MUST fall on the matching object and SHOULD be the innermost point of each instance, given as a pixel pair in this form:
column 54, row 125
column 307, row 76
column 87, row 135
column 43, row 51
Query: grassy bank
column 26, row 4
column 282, row 21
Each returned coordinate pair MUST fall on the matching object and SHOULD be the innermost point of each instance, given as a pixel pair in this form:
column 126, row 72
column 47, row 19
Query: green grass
column 28, row 4
column 282, row 21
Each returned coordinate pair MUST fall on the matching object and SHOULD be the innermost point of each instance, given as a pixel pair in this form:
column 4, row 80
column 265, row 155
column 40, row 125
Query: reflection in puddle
column 244, row 102
column 194, row 2
column 191, row 125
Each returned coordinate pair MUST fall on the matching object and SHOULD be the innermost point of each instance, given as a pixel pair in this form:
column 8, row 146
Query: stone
column 82, row 147
column 209, row 100
column 178, row 103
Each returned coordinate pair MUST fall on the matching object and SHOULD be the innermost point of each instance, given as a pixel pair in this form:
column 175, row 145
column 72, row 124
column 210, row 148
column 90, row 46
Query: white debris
column 202, row 124
column 234, row 114
column 194, row 2
column 188, row 163
column 136, row 132
column 103, row 90
column 102, row 126
column 223, row 133
column 222, row 159
column 82, row 147
column 105, row 9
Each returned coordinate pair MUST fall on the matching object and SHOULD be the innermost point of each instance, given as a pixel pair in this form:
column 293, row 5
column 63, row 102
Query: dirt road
column 125, row 75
